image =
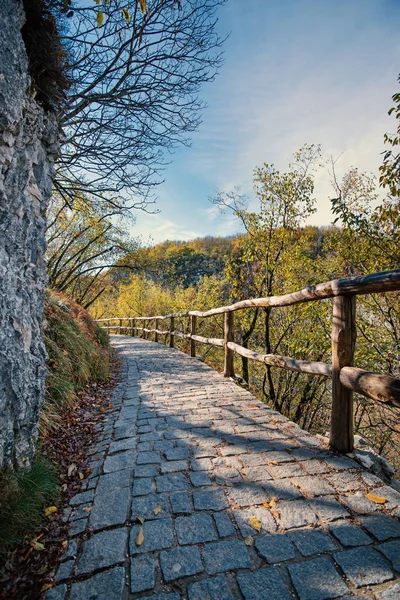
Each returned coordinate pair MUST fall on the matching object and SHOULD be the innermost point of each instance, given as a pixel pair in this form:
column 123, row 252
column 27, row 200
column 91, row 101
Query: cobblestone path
column 236, row 501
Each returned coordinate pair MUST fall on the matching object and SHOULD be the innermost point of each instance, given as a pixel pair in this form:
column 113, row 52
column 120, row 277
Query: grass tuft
column 78, row 354
column 23, row 497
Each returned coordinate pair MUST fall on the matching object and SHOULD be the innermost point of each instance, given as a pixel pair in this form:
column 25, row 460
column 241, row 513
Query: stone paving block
column 391, row 593
column 180, row 503
column 363, row 566
column 358, row 503
column 328, row 508
column 281, row 490
column 226, row 556
column 163, row 445
column 180, row 562
column 275, row 548
column 195, row 529
column 267, row 521
column 349, row 535
column 158, row 535
column 77, row 527
column 82, row 498
column 150, row 437
column 247, row 495
column 146, row 446
column 64, row 571
column 314, row 466
column 210, row 500
column 56, row 593
column 216, row 588
column 163, row 596
column 392, row 552
column 224, row 525
column 317, row 579
column 174, row 466
column 201, row 464
column 199, row 479
column 177, row 453
column 145, row 471
column 172, row 482
column 227, row 476
column 341, row 463
column 147, row 458
column 72, row 550
column 392, row 496
column 382, row 527
column 143, row 486
column 344, row 481
column 142, row 573
column 127, row 444
column 108, row 585
column 144, row 506
column 233, row 450
column 262, row 584
column 103, row 549
column 252, row 460
column 290, row 469
column 117, row 462
column 312, row 541
column 278, row 456
column 111, row 481
column 204, row 452
column 295, row 514
column 259, row 474
column 110, row 508
column 312, row 485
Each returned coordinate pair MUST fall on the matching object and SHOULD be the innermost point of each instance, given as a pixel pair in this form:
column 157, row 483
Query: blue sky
column 295, row 72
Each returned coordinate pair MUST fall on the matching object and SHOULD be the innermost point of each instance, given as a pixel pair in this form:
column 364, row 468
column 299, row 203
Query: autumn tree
column 135, row 72
column 285, row 200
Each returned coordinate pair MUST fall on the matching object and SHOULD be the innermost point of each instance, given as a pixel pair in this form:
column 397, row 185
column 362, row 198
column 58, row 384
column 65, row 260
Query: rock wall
column 28, row 147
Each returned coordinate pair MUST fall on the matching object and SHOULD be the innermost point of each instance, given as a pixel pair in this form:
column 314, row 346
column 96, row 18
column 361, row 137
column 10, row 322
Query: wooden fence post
column 108, row 326
column 156, row 333
column 228, row 337
column 132, row 325
column 120, row 326
column 171, row 335
column 343, row 344
column 193, row 332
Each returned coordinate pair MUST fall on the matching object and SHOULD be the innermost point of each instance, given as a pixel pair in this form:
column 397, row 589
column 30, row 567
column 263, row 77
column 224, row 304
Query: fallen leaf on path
column 37, row 546
column 46, row 586
column 273, row 462
column 50, row 510
column 81, row 475
column 376, row 499
column 141, row 520
column 88, row 509
column 71, row 469
column 157, row 509
column 140, row 537
column 249, row 540
column 252, row 406
column 255, row 523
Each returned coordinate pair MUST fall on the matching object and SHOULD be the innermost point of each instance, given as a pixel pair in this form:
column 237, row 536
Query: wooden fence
column 346, row 378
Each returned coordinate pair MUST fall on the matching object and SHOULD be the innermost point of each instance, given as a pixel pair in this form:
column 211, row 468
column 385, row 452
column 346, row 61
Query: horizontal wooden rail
column 346, row 379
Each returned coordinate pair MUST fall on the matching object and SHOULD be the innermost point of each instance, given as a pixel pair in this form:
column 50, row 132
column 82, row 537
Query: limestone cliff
column 28, row 147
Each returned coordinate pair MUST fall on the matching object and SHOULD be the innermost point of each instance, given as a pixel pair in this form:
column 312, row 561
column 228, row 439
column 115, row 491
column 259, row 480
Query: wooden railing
column 346, row 379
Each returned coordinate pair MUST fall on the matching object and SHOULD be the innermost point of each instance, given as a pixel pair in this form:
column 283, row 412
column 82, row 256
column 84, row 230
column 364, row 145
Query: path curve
column 238, row 502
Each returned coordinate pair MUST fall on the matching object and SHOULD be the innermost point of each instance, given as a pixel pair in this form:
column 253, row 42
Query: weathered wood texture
column 192, row 333
column 343, row 344
column 229, row 370
column 284, row 362
column 171, row 333
column 381, row 388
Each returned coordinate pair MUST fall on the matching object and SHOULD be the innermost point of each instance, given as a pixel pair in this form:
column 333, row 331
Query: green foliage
column 78, row 353
column 23, row 496
column 390, row 169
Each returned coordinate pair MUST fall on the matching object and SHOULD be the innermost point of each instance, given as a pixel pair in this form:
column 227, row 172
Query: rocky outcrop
column 28, row 147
